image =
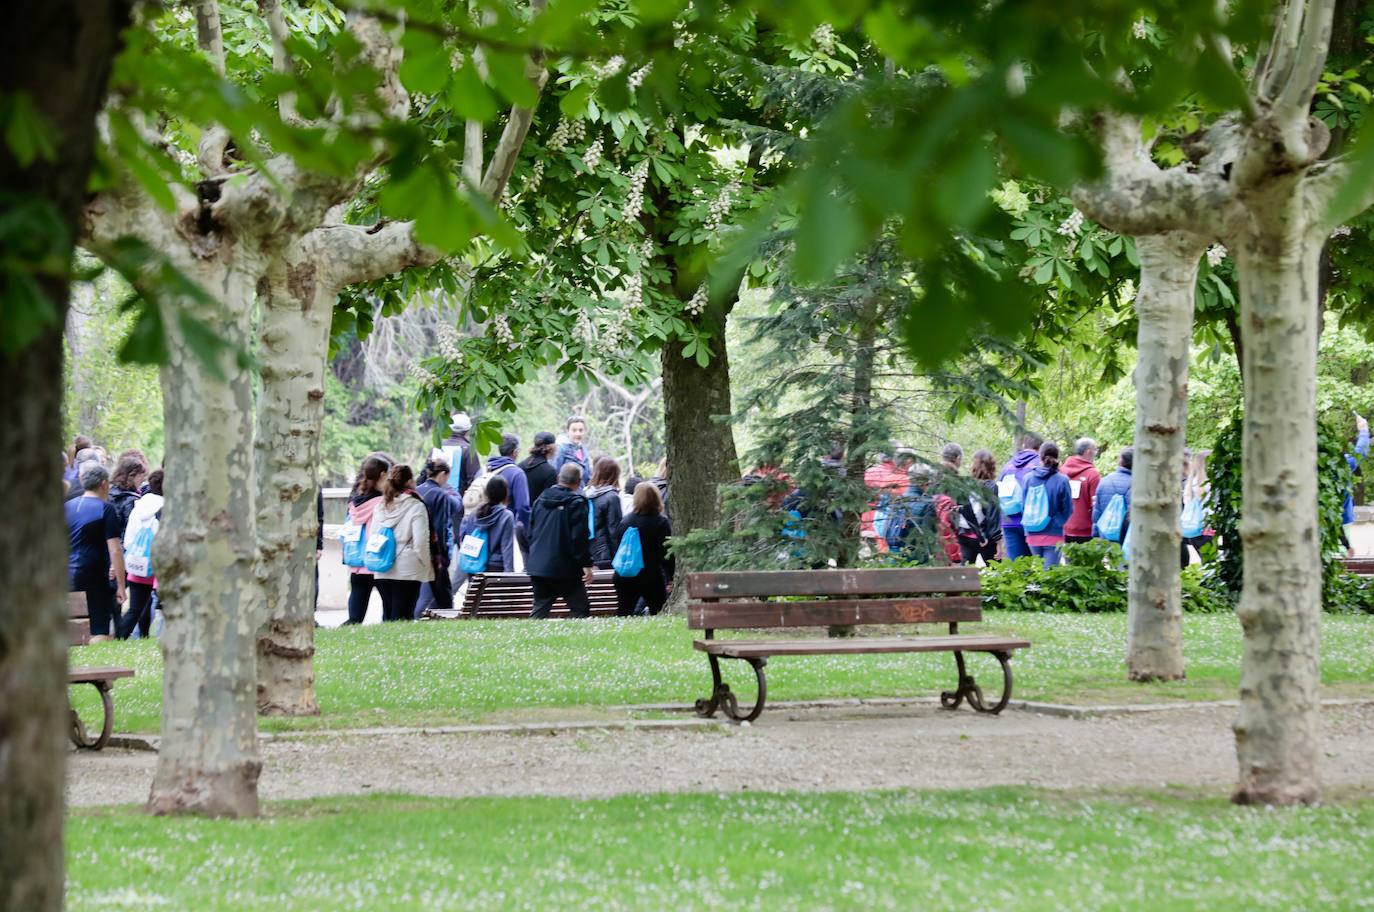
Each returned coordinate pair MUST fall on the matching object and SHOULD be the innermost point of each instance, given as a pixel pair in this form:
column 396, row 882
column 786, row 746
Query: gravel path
column 824, row 749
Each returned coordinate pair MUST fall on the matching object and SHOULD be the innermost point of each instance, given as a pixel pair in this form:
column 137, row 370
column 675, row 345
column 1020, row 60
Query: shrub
column 1092, row 579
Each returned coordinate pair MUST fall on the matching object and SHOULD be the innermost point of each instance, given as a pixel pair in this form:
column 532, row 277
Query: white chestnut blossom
column 1215, row 254
column 500, row 328
column 1342, row 231
column 720, row 206
column 1139, row 30
column 1072, row 226
column 697, row 305
column 448, row 344
column 592, row 157
column 583, row 330
column 824, row 37
column 637, row 77
column 535, row 178
column 422, row 375
column 634, row 199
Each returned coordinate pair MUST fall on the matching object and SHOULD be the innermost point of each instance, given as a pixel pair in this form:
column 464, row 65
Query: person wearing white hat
column 459, row 452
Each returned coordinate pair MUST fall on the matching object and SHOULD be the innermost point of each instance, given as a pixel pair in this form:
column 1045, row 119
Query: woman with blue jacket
column 1047, row 541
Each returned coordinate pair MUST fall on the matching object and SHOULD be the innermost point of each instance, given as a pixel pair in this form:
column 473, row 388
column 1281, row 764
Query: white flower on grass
column 592, row 157
column 700, row 298
column 637, row 77
column 1342, row 231
column 634, row 199
column 1072, row 226
column 500, row 328
column 1139, row 29
column 1215, row 254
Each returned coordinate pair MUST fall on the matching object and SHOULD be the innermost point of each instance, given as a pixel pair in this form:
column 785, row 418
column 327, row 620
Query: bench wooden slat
column 86, row 673
column 76, row 605
column 905, row 581
column 740, row 649
column 511, row 595
column 712, row 615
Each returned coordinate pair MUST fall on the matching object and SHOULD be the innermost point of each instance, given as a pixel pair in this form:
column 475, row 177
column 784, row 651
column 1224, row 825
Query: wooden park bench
column 823, row 598
column 1360, row 566
column 511, row 595
column 102, row 678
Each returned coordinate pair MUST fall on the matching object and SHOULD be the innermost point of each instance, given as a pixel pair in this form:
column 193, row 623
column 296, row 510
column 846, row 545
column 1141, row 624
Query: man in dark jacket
column 461, row 455
column 540, row 475
column 560, row 561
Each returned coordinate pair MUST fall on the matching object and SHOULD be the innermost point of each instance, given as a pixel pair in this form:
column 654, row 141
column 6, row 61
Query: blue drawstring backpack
column 1112, row 519
column 1036, row 515
column 792, row 527
column 1010, row 494
column 1193, row 520
column 629, row 557
column 354, row 547
column 1126, row 545
column 473, row 554
column 381, row 550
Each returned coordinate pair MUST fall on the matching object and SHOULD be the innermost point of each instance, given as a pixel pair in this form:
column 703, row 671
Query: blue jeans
column 1015, row 538
column 1050, row 553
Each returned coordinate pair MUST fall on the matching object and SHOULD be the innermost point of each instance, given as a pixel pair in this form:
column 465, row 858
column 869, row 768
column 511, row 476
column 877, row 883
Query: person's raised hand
column 588, row 575
column 1361, row 422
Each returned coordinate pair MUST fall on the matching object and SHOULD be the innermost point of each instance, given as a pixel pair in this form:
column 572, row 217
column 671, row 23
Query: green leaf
column 468, row 96
column 829, row 232
column 574, row 103
column 28, row 132
column 425, row 66
column 961, row 196
column 508, row 75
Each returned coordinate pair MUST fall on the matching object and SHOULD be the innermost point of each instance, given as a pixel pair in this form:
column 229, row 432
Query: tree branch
column 1137, row 197
column 360, row 253
column 507, row 151
column 1330, row 196
column 209, row 34
column 271, row 11
column 1301, row 83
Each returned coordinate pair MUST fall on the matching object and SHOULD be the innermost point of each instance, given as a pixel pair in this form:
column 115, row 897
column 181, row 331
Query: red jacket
column 1083, row 480
column 885, row 478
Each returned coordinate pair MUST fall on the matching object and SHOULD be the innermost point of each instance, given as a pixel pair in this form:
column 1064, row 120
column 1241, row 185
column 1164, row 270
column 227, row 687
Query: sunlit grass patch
column 1006, row 849
column 450, row 672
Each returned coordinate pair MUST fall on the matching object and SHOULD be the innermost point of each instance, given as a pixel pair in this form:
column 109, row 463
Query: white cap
column 461, row 421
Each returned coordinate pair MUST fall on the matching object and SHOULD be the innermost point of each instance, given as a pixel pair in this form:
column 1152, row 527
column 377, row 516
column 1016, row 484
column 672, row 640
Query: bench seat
column 784, row 599
column 744, row 649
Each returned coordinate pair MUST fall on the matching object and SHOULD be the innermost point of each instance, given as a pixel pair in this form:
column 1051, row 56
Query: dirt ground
column 918, row 747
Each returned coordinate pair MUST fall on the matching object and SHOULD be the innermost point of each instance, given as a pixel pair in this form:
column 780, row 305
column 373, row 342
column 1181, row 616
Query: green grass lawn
column 1005, row 849
column 438, row 672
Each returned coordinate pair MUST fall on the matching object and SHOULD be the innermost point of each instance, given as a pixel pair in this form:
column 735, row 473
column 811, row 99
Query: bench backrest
column 918, row 595
column 512, row 595
column 78, row 621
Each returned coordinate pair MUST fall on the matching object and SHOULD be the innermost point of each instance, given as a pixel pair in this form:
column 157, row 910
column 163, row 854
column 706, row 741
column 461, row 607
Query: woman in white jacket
column 402, row 511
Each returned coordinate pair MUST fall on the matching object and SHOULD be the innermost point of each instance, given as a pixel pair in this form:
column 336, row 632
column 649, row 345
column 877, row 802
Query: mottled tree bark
column 206, row 557
column 1277, row 741
column 1164, row 307
column 297, row 295
column 58, row 53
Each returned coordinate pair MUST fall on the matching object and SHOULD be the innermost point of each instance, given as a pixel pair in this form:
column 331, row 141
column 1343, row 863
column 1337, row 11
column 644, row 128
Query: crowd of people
column 1032, row 505
column 112, row 508
column 416, row 538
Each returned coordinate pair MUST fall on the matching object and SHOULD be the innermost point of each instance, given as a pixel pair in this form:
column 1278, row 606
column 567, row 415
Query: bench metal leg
column 80, row 737
column 724, row 699
column 969, row 690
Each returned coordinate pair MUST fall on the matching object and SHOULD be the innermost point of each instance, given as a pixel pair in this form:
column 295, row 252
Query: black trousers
column 398, row 598
column 971, row 550
column 438, row 594
column 1184, row 558
column 1077, row 539
column 140, row 613
column 648, row 585
column 101, row 607
column 359, row 596
column 548, row 588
